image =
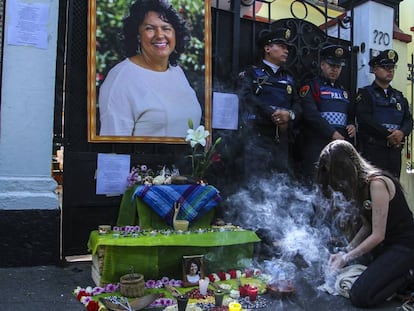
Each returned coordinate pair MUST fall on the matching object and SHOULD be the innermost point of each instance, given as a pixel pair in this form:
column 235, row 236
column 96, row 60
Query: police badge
column 398, row 105
column 289, row 89
column 287, row 34
column 346, row 94
column 339, row 52
column 391, row 54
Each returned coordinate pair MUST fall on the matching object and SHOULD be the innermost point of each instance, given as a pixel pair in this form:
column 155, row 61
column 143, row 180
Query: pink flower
column 176, row 283
column 85, row 299
column 81, row 294
column 150, row 284
column 98, row 290
column 111, row 288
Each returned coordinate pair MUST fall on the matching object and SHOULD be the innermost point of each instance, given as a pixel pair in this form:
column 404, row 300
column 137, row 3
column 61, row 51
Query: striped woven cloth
column 195, row 200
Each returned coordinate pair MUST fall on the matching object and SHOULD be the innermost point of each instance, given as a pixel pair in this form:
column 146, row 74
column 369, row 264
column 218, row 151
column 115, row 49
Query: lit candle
column 203, row 284
column 252, row 293
column 218, row 297
column 234, row 306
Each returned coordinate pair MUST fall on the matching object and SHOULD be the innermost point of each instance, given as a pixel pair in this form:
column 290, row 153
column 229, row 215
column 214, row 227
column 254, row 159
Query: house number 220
column 381, row 38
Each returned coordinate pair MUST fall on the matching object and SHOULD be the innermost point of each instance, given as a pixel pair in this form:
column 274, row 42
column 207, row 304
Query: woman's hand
column 337, row 261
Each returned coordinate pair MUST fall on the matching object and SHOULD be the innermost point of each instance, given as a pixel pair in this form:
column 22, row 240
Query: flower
column 201, row 161
column 85, row 295
column 143, row 175
column 92, row 306
column 140, row 175
column 197, row 136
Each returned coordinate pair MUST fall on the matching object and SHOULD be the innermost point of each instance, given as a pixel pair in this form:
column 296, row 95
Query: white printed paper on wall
column 225, row 111
column 112, row 173
column 27, row 23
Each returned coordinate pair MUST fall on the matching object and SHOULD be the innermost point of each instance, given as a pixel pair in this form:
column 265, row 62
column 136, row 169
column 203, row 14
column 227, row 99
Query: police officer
column 328, row 113
column 270, row 107
column 383, row 116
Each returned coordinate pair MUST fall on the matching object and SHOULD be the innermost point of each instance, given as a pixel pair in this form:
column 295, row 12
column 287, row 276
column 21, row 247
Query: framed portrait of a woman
column 193, row 270
column 149, row 69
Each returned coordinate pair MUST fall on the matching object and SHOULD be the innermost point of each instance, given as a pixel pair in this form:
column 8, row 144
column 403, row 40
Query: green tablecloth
column 161, row 255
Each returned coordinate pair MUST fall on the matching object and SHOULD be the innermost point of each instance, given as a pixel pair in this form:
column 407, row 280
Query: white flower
column 197, row 136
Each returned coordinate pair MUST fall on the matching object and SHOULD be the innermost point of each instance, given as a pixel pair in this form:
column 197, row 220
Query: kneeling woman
column 387, row 233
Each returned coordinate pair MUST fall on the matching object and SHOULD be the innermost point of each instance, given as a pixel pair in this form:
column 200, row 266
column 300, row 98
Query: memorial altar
column 158, row 254
column 156, row 249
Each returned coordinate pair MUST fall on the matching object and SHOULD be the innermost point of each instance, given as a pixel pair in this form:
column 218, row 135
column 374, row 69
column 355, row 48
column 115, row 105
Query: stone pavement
column 50, row 288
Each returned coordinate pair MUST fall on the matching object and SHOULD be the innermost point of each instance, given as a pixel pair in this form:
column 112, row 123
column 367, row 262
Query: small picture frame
column 193, row 270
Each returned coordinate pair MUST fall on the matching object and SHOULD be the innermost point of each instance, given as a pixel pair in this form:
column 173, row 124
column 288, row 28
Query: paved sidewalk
column 50, row 288
column 43, row 287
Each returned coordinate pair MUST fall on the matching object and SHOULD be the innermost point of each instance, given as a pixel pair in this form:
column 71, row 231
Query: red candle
column 252, row 293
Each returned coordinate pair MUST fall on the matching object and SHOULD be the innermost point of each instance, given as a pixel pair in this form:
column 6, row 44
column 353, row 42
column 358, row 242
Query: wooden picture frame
column 190, row 275
column 105, row 51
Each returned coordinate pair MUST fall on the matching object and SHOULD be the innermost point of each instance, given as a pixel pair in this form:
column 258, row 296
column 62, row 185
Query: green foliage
column 109, row 15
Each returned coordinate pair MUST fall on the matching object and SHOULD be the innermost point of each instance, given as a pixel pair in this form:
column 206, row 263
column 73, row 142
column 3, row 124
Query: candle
column 182, row 302
column 252, row 293
column 203, row 284
column 234, row 306
column 218, row 297
column 104, row 229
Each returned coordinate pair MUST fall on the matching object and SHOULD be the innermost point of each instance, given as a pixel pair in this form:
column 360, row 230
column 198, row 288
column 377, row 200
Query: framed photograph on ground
column 193, row 270
column 130, row 105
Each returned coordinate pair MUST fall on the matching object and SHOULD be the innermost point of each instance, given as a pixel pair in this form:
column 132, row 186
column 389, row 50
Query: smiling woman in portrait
column 148, row 94
column 193, row 270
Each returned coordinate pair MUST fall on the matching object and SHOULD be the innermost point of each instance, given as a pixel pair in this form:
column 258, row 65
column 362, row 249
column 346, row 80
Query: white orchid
column 197, row 136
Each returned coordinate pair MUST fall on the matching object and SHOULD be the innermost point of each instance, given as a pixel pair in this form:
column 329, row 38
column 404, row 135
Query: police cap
column 334, row 54
column 386, row 57
column 277, row 36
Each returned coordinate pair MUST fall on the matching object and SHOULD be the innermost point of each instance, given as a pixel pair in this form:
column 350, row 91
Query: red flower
column 249, row 273
column 243, row 290
column 233, row 274
column 81, row 294
column 222, row 275
column 92, row 306
column 211, row 278
column 216, row 157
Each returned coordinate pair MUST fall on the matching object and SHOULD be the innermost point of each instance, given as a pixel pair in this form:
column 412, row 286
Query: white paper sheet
column 112, row 173
column 225, row 111
column 27, row 23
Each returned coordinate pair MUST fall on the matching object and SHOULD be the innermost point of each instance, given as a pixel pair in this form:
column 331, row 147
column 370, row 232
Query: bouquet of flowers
column 141, row 174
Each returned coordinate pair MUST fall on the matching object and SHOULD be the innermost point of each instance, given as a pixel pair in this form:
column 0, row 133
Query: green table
column 161, row 255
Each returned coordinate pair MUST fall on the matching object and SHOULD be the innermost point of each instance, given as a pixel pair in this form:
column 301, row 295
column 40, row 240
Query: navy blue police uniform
column 379, row 112
column 261, row 93
column 326, row 108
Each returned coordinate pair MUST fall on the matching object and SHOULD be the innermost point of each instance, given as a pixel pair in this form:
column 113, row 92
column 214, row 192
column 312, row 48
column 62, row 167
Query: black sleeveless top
column 400, row 221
